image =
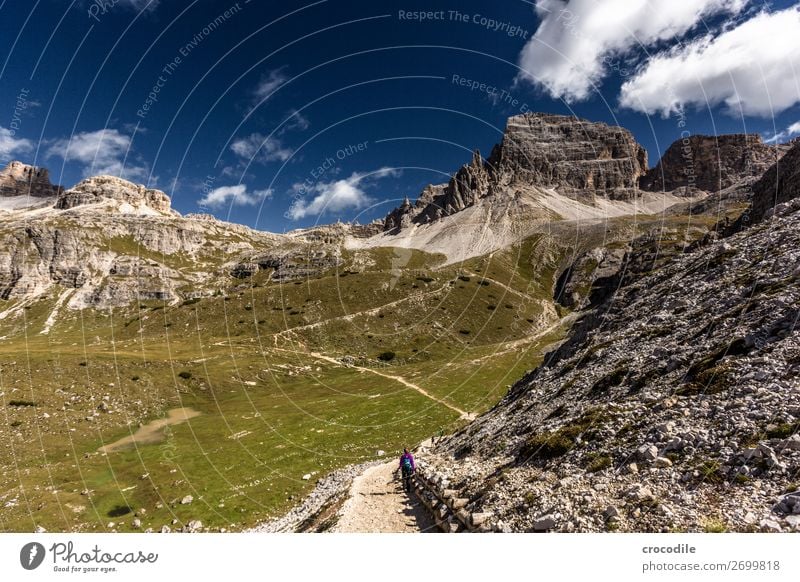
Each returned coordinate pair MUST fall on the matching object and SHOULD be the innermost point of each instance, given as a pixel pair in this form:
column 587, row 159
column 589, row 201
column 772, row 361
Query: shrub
column 190, row 301
column 710, row 472
column 782, row 431
column 135, row 378
column 546, row 446
column 613, row 378
column 597, row 462
column 715, row 526
column 554, row 444
column 464, row 331
column 185, row 374
column 425, row 279
column 464, row 278
column 386, row 356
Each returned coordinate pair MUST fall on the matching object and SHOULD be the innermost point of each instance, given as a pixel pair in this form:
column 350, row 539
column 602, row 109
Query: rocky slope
column 108, row 242
column 673, row 406
column 711, row 163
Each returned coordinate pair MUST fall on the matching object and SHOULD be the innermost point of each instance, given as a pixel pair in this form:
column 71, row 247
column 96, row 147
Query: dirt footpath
column 377, row 503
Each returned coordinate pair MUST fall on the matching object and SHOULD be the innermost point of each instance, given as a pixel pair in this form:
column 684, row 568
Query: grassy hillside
column 290, row 379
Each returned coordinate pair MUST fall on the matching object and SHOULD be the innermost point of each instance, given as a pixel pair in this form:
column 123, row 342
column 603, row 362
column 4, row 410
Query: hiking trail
column 378, row 504
column 462, row 413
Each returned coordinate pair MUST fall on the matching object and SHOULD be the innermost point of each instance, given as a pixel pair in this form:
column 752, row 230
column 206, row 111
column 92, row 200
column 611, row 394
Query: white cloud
column 234, row 195
column 337, row 195
column 11, row 145
column 140, row 5
column 750, row 68
column 789, row 132
column 295, row 120
column 268, row 84
column 578, row 41
column 104, row 151
column 261, row 148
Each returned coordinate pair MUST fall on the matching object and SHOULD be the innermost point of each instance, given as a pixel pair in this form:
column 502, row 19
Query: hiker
column 407, row 468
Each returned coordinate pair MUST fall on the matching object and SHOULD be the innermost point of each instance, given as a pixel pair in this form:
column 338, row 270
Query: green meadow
column 291, row 379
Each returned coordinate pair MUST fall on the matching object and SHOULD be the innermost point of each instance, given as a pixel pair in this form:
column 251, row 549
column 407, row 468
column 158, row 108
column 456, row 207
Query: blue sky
column 283, row 115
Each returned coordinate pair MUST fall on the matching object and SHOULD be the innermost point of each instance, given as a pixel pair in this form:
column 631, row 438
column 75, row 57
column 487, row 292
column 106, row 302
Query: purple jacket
column 410, row 457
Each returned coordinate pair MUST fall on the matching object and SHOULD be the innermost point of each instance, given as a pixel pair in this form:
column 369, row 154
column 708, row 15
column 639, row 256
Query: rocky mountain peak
column 578, row 158
column 99, row 188
column 569, row 154
column 711, row 162
column 779, row 184
column 18, row 179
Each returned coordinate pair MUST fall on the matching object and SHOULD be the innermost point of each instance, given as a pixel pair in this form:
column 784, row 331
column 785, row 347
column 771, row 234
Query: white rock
column 187, row 500
column 791, row 444
column 647, row 452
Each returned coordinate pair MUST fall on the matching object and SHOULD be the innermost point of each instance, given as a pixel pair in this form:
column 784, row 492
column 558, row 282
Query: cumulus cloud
column 10, row 145
column 336, row 196
column 105, row 151
column 789, row 132
column 578, row 41
column 750, row 69
column 233, row 195
column 261, row 148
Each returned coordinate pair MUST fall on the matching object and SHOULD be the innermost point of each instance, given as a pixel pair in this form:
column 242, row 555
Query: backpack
column 406, row 464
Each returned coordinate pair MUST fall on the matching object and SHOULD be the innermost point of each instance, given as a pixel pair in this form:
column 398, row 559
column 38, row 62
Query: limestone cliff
column 711, row 163
column 18, row 179
column 577, row 158
column 99, row 188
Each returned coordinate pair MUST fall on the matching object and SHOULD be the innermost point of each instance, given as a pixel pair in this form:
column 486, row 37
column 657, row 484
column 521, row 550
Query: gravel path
column 377, row 503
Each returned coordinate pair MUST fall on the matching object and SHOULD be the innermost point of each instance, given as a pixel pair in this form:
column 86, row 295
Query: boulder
column 544, row 523
column 647, row 452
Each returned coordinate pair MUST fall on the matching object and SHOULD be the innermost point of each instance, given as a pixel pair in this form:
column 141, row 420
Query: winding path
column 378, row 504
column 463, row 413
